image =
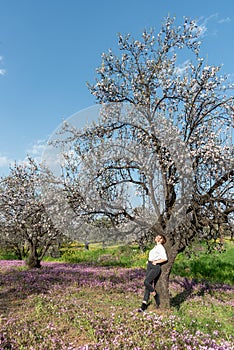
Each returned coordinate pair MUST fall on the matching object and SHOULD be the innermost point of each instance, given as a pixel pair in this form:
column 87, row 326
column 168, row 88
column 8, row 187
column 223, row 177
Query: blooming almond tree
column 25, row 225
column 160, row 158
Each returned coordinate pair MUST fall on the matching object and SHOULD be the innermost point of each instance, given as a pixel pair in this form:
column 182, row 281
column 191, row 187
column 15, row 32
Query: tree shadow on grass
column 194, row 287
column 181, row 297
column 7, row 300
column 17, row 285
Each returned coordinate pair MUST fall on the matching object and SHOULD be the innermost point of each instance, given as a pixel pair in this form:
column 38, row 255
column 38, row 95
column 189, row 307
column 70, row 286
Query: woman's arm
column 160, row 261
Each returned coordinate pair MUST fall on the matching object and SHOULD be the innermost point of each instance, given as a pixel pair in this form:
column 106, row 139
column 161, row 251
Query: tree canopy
column 25, row 226
column 165, row 131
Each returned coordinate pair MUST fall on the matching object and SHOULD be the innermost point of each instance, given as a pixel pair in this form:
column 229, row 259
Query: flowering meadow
column 85, row 307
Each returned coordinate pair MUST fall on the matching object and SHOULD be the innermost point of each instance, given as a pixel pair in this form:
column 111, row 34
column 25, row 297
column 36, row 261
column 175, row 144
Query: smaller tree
column 25, row 224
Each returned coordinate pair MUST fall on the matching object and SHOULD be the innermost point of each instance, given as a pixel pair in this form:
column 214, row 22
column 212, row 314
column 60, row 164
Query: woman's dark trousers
column 152, row 274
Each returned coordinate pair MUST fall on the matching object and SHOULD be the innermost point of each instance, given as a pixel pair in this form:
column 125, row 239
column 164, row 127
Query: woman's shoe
column 143, row 307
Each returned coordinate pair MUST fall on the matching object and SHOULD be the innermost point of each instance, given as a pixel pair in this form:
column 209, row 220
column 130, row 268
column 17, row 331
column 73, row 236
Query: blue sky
column 49, row 49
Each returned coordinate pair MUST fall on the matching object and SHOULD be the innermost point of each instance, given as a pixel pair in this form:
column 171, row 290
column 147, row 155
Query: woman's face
column 158, row 239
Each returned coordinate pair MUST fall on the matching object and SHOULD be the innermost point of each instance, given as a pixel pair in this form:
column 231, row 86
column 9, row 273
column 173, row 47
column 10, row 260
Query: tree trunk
column 33, row 260
column 162, row 286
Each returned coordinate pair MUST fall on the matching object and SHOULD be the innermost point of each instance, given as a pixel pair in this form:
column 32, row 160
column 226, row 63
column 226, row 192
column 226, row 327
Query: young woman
column 157, row 256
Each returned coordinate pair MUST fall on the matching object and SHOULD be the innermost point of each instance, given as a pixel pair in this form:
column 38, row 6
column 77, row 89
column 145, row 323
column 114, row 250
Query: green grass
column 7, row 255
column 96, row 306
column 207, row 314
column 214, row 267
column 118, row 255
column 64, row 306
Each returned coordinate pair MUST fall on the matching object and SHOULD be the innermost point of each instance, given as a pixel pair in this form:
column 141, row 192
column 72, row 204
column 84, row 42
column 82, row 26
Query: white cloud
column 231, row 78
column 181, row 69
column 5, row 161
column 224, row 20
column 202, row 23
column 2, row 71
column 37, row 150
column 5, row 164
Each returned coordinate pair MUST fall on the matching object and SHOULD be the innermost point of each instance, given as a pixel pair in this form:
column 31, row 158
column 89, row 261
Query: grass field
column 74, row 305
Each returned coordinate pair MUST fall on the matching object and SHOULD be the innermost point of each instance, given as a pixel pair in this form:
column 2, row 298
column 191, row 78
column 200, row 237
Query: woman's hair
column 163, row 237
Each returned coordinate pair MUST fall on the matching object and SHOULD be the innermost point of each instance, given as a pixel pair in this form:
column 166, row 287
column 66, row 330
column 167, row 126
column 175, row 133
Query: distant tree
column 164, row 131
column 26, row 226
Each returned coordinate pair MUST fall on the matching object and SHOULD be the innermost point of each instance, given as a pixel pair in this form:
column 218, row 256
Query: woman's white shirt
column 157, row 253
